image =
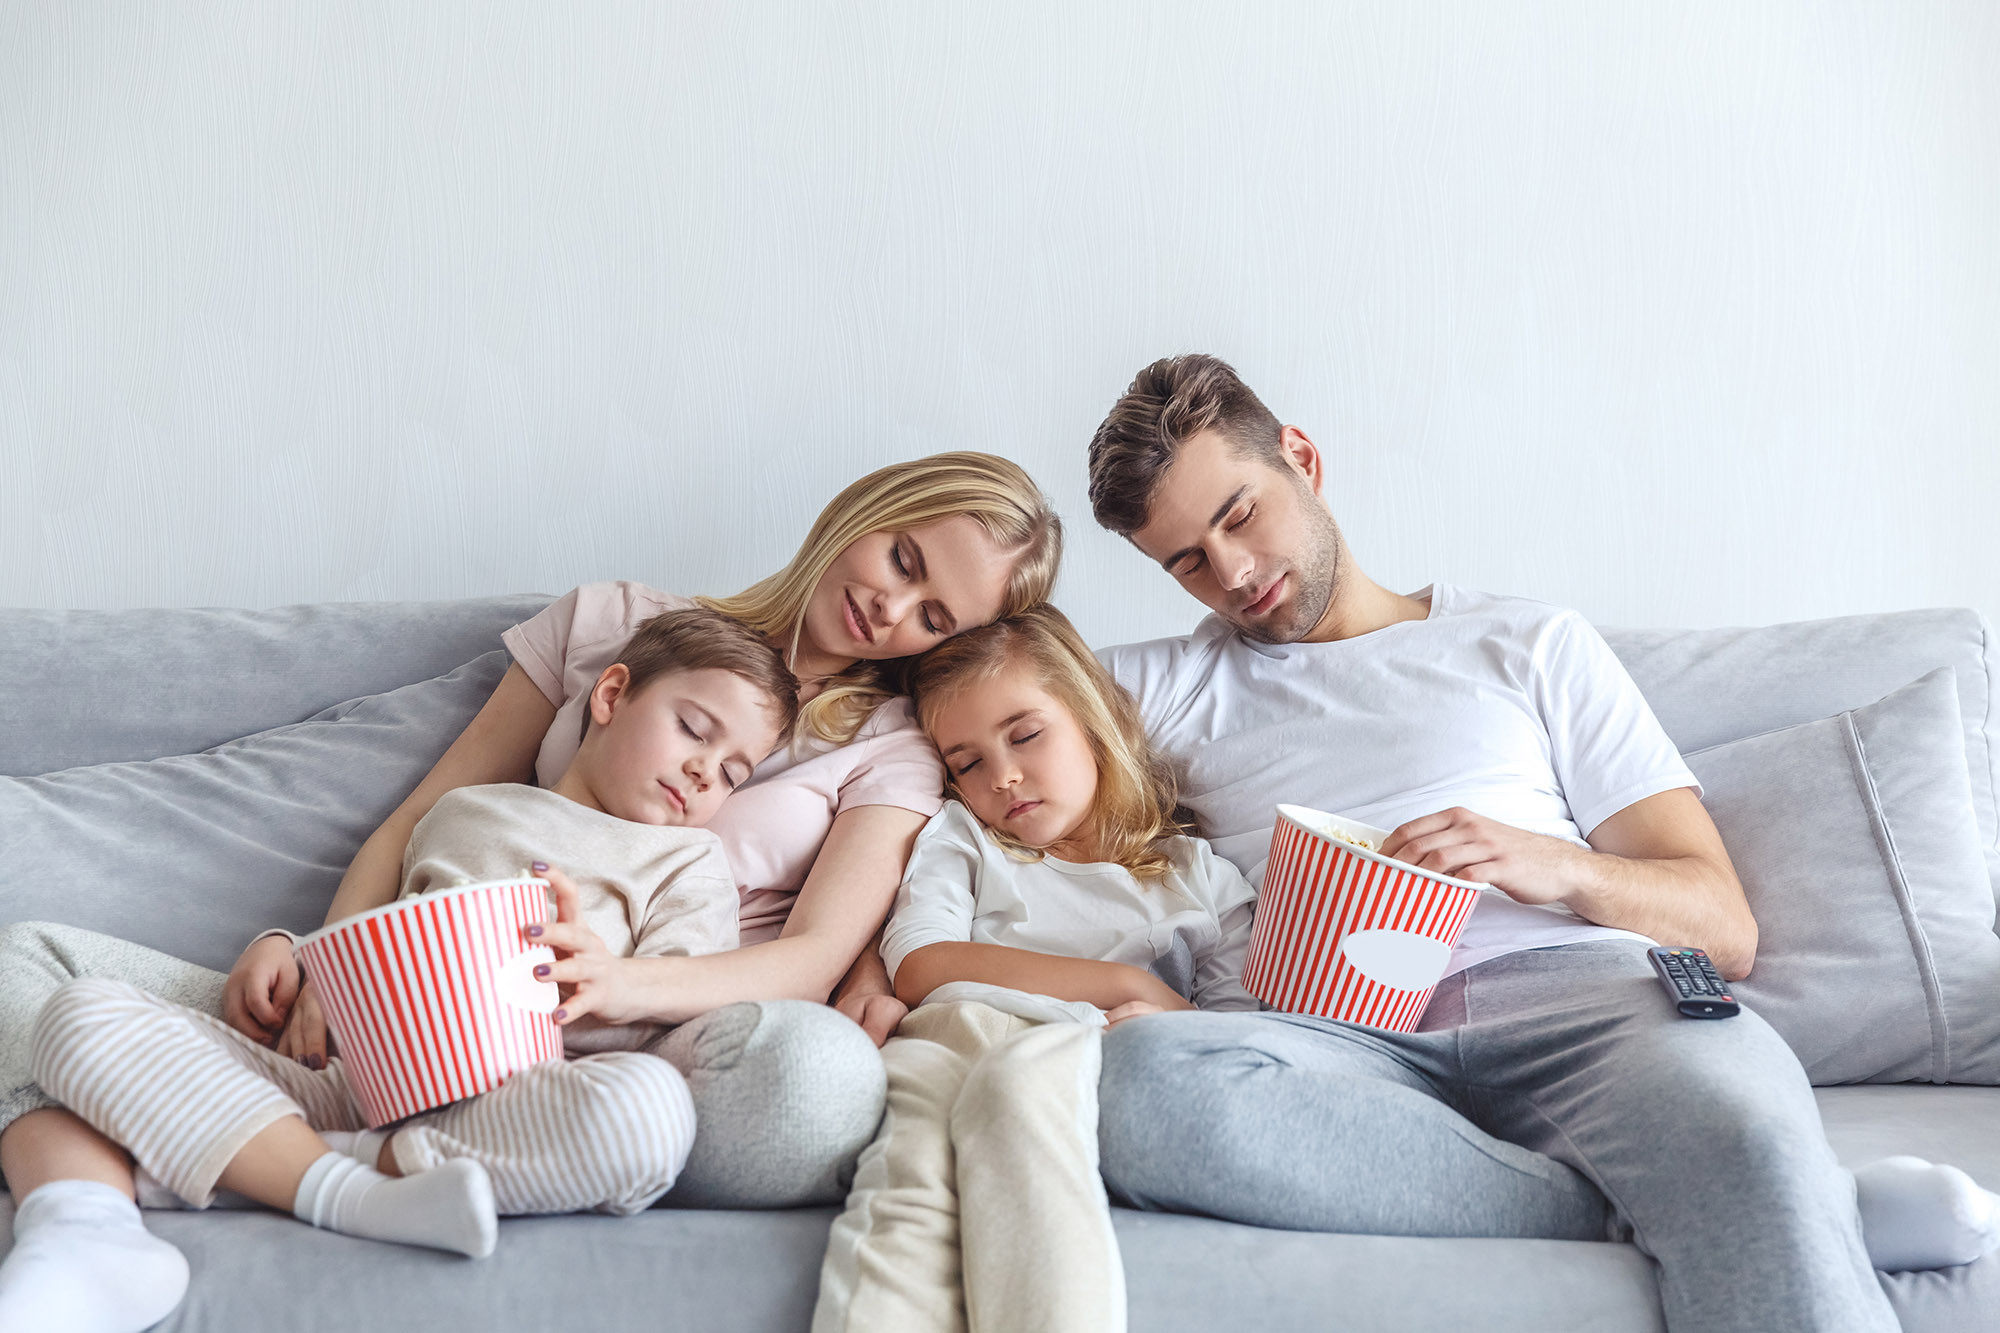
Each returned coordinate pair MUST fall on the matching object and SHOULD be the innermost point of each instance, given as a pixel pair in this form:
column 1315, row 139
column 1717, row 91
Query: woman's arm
column 1106, row 985
column 498, row 745
column 842, row 905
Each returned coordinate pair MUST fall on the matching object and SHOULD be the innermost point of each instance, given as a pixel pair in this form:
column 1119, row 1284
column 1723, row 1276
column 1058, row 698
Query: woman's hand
column 258, row 997
column 593, row 979
column 878, row 1013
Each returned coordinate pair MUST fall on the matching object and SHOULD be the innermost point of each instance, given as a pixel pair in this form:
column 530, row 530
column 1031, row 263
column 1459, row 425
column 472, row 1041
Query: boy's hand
column 305, row 1038
column 593, row 979
column 262, row 987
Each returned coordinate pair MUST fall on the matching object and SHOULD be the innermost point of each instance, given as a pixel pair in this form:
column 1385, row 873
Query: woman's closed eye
column 1023, row 740
column 931, row 626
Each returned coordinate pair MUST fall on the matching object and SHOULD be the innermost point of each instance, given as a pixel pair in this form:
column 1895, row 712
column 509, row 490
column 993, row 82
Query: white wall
column 1680, row 313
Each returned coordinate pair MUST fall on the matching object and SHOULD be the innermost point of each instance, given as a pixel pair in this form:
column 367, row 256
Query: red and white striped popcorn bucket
column 1344, row 932
column 434, row 998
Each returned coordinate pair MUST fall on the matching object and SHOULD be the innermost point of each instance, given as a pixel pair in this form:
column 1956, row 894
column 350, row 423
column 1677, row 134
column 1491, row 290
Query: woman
column 786, row 1090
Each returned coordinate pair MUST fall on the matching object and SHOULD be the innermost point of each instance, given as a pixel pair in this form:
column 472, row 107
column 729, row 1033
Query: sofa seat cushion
column 195, row 854
column 1960, row 1126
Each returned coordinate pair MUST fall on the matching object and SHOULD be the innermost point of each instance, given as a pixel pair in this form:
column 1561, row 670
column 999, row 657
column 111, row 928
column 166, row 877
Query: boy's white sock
column 449, row 1207
column 363, row 1145
column 1918, row 1215
column 83, row 1262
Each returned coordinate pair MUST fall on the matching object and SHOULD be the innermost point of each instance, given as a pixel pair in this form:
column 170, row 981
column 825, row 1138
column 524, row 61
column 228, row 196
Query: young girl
column 1055, row 894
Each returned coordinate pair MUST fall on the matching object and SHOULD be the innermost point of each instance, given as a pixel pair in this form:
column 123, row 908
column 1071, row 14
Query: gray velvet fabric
column 1855, row 840
column 1711, row 686
column 194, row 854
column 95, row 687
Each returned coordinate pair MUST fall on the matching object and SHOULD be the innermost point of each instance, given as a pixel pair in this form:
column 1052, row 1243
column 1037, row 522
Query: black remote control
column 1698, row 990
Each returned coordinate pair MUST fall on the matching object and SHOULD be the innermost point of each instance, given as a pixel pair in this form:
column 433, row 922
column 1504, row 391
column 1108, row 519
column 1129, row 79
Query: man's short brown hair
column 1170, row 402
column 698, row 639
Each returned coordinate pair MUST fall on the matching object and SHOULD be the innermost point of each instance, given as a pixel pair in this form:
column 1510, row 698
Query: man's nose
column 1234, row 569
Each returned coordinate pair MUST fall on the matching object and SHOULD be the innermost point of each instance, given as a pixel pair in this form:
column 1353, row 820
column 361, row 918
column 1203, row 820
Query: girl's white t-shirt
column 1189, row 927
column 1511, row 708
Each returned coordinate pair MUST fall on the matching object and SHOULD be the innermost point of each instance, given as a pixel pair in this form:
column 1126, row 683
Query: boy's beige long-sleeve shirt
column 646, row 890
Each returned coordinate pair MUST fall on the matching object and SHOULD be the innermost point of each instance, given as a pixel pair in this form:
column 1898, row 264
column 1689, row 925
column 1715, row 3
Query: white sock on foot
column 83, row 1262
column 449, row 1207
column 363, row 1145
column 1918, row 1215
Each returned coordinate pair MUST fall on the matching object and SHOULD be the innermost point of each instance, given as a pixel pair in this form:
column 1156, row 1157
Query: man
column 1502, row 742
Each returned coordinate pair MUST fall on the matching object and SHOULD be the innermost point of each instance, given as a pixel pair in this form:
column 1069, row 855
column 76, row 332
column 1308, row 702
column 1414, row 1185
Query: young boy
column 693, row 703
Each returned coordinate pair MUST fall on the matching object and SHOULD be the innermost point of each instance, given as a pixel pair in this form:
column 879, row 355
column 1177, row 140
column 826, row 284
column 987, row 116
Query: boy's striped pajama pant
column 184, row 1092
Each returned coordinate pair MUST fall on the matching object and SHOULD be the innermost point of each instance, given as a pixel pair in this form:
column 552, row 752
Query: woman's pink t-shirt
column 772, row 826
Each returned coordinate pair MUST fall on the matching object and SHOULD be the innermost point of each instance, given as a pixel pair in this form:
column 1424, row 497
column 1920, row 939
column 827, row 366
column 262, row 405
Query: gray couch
column 183, row 778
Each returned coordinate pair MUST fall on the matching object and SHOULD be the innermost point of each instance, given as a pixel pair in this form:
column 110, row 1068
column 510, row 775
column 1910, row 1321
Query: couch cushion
column 1710, row 686
column 1855, row 840
column 194, row 854
column 94, row 687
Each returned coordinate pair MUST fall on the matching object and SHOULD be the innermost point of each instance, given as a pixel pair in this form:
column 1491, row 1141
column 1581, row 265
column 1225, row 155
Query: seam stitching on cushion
column 1899, row 884
column 1986, row 732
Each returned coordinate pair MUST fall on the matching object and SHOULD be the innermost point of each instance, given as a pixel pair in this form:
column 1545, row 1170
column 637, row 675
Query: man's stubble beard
column 1316, row 576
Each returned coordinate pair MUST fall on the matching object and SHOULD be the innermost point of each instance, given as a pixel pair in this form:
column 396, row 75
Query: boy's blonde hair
column 1137, row 793
column 995, row 493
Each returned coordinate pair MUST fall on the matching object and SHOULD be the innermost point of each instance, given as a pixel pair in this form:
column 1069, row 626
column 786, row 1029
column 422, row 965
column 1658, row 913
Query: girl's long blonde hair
column 1137, row 793
column 997, row 494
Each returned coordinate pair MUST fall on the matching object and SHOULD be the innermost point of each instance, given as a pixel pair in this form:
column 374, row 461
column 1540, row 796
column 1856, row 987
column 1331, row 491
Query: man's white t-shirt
column 1513, row 709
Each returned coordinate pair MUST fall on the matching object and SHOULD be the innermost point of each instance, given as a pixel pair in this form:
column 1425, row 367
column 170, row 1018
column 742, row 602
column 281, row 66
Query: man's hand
column 593, row 979
column 877, row 1012
column 1527, row 867
column 258, row 997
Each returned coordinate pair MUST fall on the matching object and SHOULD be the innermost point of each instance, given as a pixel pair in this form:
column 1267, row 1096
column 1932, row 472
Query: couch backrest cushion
column 194, row 854
column 92, row 687
column 1856, row 844
column 1711, row 686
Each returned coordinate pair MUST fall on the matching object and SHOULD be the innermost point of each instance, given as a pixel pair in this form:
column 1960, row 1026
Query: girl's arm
column 1106, row 985
column 845, row 898
column 498, row 745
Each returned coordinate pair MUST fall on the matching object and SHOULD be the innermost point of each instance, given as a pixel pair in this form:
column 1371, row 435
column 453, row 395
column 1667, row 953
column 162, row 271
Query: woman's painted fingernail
column 314, row 1062
column 561, row 1014
column 542, row 970
column 534, row 932
column 540, row 867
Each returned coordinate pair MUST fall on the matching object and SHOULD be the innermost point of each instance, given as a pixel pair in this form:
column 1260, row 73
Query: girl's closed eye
column 1023, row 740
column 968, row 766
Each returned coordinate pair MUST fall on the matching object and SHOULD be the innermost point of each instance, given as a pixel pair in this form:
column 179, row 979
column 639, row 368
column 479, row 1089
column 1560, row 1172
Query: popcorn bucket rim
column 404, row 904
column 1303, row 816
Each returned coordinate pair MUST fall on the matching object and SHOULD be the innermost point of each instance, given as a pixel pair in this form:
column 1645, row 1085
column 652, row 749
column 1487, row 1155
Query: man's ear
column 1303, row 457
column 610, row 691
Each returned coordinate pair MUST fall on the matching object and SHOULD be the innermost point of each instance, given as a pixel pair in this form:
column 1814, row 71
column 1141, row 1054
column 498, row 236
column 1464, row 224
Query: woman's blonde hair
column 1137, row 793
column 996, row 494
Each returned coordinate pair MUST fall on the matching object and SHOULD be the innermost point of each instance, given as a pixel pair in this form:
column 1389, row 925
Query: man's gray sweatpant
column 1544, row 1083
